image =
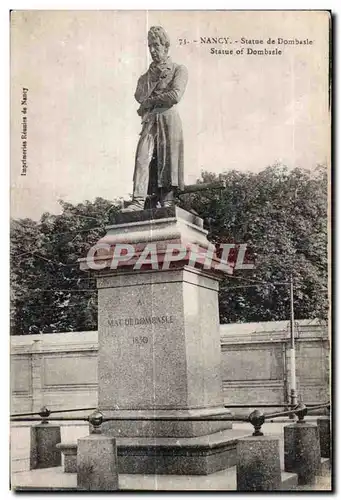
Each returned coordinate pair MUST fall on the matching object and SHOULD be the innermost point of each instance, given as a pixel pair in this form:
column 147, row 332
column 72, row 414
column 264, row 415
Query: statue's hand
column 145, row 106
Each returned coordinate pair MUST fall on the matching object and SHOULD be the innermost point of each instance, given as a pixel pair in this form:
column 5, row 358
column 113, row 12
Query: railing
column 45, row 411
column 256, row 417
column 304, row 461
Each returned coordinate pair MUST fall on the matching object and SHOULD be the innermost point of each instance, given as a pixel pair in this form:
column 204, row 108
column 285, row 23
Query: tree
column 49, row 292
column 282, row 216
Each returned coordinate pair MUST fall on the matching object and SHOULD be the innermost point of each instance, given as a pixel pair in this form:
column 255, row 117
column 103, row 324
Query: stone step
column 55, row 479
column 172, row 456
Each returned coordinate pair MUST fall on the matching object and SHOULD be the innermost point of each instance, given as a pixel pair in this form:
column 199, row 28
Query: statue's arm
column 172, row 95
column 141, row 92
column 145, row 86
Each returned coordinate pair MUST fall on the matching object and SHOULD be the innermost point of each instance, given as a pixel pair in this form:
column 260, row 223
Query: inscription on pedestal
column 142, row 347
column 149, row 320
column 140, row 340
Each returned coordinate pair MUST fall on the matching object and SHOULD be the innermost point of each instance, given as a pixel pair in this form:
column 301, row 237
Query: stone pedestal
column 159, row 341
column 97, row 468
column 302, row 451
column 69, row 452
column 43, row 449
column 323, row 424
column 258, row 464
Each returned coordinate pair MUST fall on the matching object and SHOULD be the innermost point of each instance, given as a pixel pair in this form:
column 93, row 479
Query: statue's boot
column 167, row 198
column 134, row 206
column 168, row 203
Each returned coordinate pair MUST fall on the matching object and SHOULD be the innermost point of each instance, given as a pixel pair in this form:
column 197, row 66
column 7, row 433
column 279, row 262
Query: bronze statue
column 159, row 161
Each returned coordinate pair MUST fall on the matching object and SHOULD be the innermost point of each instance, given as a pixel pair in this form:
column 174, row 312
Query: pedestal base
column 43, row 452
column 323, row 424
column 159, row 344
column 258, row 467
column 302, row 451
column 183, row 456
column 97, row 463
column 133, row 427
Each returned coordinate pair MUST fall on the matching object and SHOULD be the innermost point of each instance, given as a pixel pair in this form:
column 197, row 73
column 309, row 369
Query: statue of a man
column 159, row 157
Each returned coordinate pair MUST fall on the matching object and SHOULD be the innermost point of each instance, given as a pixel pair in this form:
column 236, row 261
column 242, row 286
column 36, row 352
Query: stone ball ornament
column 44, row 414
column 257, row 419
column 96, row 420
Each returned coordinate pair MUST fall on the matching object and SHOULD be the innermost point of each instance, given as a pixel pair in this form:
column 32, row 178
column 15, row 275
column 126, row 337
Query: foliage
column 281, row 214
column 49, row 292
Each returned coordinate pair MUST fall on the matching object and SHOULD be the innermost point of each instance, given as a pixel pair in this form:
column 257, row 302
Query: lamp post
column 293, row 392
column 292, row 354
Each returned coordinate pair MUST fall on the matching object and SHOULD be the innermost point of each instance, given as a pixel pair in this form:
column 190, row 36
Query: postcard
column 170, row 297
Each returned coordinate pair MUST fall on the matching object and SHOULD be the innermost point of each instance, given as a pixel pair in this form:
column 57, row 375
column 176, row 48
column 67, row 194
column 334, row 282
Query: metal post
column 293, row 393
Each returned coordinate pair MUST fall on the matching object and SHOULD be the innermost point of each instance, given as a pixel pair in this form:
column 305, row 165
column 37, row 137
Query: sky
column 241, row 112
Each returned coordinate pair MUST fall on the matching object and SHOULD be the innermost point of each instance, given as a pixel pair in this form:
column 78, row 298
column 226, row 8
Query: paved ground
column 56, row 479
column 323, row 483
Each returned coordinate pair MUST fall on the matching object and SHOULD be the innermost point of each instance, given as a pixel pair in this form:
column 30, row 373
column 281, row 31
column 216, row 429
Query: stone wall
column 60, row 370
column 255, row 362
column 57, row 370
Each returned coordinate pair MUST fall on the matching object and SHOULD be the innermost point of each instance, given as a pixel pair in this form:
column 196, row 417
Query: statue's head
column 158, row 43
